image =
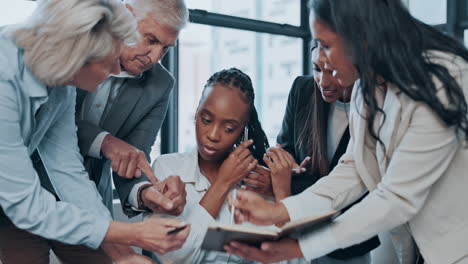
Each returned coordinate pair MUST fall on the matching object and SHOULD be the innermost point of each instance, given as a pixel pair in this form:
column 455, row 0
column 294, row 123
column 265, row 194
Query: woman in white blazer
column 409, row 129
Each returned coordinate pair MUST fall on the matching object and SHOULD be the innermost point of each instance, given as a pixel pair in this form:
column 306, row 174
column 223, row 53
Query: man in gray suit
column 118, row 124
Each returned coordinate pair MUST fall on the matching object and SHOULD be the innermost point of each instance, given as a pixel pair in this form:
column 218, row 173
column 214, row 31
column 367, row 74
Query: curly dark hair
column 237, row 79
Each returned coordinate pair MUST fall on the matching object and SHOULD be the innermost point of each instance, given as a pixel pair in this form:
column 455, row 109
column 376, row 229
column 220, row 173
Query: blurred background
column 269, row 40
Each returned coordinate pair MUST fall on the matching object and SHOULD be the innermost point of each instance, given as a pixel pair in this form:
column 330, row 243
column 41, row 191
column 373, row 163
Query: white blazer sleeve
column 335, row 191
column 423, row 155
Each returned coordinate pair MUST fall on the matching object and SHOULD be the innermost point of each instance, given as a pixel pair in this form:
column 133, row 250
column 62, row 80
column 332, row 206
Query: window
column 271, row 61
column 276, row 11
column 466, row 37
column 432, row 12
column 13, row 12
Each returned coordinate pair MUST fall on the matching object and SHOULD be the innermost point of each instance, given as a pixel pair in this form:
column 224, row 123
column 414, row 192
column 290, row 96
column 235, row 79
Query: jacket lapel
column 370, row 157
column 392, row 109
column 123, row 106
column 365, row 162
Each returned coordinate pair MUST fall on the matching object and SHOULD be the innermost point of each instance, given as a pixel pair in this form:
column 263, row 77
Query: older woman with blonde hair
column 52, row 204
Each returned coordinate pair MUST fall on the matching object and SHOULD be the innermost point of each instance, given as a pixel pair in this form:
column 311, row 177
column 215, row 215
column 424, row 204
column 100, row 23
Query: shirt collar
column 341, row 105
column 194, row 175
column 35, row 87
column 125, row 74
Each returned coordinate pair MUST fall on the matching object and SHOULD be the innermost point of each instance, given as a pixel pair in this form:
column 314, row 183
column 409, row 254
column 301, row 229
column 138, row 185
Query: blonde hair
column 171, row 13
column 61, row 36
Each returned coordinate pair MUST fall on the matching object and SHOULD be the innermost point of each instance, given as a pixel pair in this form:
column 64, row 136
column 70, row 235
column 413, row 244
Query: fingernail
column 170, row 205
column 233, row 244
column 265, row 246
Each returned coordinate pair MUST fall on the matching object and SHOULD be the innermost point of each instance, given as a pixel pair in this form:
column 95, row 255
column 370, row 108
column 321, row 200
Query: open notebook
column 220, row 234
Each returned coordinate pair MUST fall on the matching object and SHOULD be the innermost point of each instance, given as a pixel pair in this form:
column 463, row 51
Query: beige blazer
column 419, row 180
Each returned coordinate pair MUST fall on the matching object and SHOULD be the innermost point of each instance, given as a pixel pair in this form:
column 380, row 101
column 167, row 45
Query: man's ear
column 130, row 8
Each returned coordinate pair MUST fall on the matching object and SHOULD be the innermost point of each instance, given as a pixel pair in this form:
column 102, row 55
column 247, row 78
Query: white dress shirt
column 94, row 110
column 186, row 166
column 96, row 106
column 338, row 121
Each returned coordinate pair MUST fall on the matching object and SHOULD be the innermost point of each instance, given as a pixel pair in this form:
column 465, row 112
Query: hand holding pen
column 251, row 207
column 233, row 208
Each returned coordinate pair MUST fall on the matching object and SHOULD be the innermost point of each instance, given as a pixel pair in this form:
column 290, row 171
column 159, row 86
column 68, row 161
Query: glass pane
column 277, row 11
column 466, row 37
column 432, row 12
column 271, row 61
column 13, row 12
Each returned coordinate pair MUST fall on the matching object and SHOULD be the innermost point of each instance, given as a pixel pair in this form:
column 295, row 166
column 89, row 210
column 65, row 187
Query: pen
column 175, row 230
column 234, row 197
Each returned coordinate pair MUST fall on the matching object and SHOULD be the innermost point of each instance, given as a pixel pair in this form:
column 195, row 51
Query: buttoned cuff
column 95, row 149
column 97, row 237
column 133, row 196
column 317, row 243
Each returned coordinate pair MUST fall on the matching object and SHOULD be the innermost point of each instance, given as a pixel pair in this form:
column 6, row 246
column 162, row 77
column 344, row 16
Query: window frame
column 169, row 130
column 457, row 22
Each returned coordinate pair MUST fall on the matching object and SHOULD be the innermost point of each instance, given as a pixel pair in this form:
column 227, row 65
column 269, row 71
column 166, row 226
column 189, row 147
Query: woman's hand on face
column 237, row 165
column 280, row 164
column 152, row 234
column 259, row 181
column 269, row 252
column 251, row 207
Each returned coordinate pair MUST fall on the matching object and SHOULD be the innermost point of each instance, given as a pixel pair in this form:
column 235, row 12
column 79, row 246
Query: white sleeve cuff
column 300, row 206
column 101, row 227
column 317, row 243
column 95, row 149
column 133, row 196
column 200, row 220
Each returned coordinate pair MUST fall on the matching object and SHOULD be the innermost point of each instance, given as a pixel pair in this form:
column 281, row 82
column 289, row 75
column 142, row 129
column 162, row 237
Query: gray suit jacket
column 135, row 117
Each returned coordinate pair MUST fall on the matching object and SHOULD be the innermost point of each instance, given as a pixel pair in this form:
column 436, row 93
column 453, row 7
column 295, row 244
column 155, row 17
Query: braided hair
column 235, row 78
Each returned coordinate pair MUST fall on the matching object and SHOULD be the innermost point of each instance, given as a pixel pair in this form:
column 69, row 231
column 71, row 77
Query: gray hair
column 171, row 13
column 62, row 36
